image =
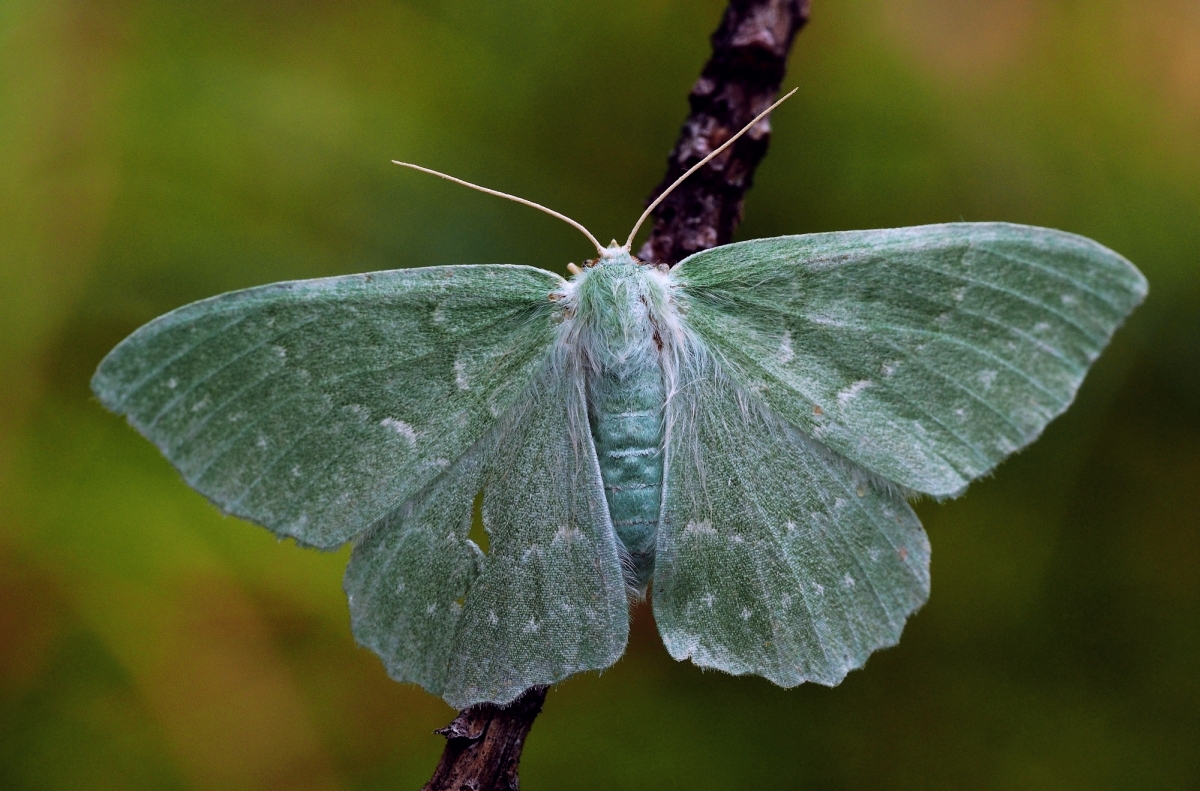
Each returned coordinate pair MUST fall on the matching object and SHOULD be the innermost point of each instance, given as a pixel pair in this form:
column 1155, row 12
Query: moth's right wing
column 546, row 601
column 317, row 407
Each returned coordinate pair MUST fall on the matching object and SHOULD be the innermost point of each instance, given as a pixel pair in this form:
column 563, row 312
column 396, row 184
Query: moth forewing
column 926, row 355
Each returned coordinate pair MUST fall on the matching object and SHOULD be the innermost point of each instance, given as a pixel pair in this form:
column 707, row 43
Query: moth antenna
column 499, row 194
column 700, row 164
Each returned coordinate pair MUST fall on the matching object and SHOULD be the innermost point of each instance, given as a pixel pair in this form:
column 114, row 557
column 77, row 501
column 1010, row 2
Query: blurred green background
column 153, row 152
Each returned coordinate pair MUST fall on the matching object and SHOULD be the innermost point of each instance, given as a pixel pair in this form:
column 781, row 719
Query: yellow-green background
column 157, row 152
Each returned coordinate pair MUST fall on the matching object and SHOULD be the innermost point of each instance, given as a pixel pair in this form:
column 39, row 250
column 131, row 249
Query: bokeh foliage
column 153, row 152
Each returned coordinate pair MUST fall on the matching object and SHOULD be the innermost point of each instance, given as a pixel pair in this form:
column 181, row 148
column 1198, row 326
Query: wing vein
column 1012, row 293
column 1079, row 284
column 225, row 366
column 315, row 391
column 133, row 388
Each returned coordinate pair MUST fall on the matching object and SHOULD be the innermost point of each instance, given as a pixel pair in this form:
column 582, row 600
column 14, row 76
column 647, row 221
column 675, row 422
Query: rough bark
column 740, row 80
column 483, row 745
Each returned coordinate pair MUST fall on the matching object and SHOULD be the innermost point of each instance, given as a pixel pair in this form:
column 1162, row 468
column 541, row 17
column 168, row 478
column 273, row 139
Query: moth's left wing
column 925, row 354
column 775, row 556
column 546, row 601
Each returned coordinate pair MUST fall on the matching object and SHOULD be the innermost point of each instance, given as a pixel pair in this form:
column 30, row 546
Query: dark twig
column 483, row 745
column 740, row 80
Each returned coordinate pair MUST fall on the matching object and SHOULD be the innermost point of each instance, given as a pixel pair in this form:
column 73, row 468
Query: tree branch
column 483, row 745
column 740, row 80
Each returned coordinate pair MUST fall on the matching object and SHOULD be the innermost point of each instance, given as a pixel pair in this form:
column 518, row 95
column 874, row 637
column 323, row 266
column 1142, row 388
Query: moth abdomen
column 627, row 396
column 628, row 430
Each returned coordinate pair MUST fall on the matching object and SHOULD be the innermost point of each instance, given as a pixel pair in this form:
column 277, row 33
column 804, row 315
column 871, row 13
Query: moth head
column 614, row 254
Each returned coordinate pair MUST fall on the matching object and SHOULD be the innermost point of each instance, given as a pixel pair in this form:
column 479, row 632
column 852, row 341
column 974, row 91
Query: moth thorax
column 614, row 315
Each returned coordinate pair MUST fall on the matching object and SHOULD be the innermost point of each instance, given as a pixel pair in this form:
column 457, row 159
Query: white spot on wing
column 987, row 378
column 785, row 354
column 829, row 319
column 460, row 375
column 850, row 393
column 698, row 529
column 567, row 534
column 401, row 428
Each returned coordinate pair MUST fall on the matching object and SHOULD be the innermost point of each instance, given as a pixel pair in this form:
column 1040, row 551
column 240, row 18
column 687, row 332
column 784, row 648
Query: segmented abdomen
column 627, row 425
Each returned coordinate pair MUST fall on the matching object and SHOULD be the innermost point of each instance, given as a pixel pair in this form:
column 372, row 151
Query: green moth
column 738, row 435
